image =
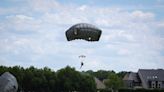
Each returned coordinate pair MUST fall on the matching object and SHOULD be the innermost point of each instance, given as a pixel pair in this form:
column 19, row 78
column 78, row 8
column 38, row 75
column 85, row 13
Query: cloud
column 44, row 6
column 139, row 15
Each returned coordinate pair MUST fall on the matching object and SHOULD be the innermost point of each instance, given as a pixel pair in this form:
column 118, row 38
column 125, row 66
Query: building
column 145, row 78
column 99, row 84
column 132, row 80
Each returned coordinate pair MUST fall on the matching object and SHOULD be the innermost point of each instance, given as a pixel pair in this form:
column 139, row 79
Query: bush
column 104, row 90
column 141, row 90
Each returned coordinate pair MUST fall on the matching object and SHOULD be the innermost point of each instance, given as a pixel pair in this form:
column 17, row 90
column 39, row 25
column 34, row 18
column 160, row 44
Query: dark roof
column 126, row 77
column 152, row 74
column 132, row 76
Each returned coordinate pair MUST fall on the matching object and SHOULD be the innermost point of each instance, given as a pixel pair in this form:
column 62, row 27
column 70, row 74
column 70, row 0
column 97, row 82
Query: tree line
column 64, row 80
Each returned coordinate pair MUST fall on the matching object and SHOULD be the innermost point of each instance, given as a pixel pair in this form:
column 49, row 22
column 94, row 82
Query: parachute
column 8, row 83
column 83, row 31
column 82, row 56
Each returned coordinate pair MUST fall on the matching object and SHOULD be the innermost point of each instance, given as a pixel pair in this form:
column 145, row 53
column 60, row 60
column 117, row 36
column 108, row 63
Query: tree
column 100, row 74
column 122, row 74
column 68, row 79
column 71, row 80
column 114, row 82
column 87, row 84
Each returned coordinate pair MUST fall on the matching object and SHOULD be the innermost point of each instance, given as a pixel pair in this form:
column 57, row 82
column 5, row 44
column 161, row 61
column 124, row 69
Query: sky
column 32, row 33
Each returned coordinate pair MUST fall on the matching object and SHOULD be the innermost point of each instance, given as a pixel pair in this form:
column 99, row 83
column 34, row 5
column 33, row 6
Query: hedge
column 141, row 90
column 132, row 90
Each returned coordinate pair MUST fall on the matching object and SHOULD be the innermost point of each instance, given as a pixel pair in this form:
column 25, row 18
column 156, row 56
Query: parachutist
column 81, row 64
column 82, row 57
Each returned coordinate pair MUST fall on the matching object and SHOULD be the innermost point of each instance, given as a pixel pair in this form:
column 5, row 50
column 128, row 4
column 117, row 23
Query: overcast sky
column 32, row 32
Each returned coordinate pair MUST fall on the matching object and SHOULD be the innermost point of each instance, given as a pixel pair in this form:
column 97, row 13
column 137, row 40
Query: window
column 162, row 82
column 156, row 77
column 156, row 84
column 130, row 84
column 153, row 84
column 159, row 85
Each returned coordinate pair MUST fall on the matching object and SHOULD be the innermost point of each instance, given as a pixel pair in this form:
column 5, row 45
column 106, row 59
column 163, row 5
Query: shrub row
column 133, row 90
column 141, row 90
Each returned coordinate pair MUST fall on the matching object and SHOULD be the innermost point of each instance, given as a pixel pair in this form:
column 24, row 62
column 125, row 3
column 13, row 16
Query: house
column 152, row 78
column 132, row 80
column 145, row 78
column 99, row 84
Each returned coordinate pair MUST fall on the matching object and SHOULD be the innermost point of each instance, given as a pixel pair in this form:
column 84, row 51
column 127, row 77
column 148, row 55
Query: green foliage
column 114, row 81
column 141, row 90
column 122, row 74
column 100, row 74
column 66, row 80
column 71, row 80
column 45, row 80
column 88, row 84
column 104, row 90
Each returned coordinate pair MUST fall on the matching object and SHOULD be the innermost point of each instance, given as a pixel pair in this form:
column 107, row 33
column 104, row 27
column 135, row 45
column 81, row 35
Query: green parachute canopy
column 83, row 31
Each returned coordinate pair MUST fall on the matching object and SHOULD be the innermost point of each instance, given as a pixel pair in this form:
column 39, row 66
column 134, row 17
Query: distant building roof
column 126, row 77
column 99, row 84
column 132, row 76
column 152, row 74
